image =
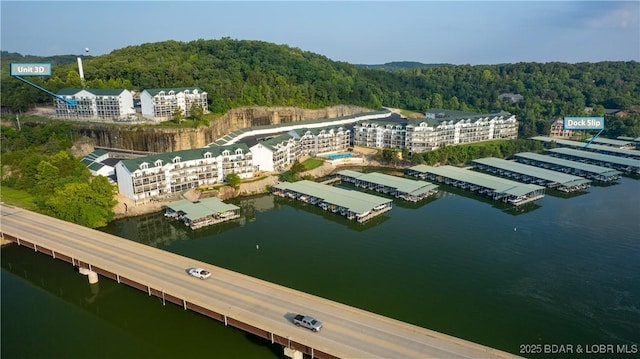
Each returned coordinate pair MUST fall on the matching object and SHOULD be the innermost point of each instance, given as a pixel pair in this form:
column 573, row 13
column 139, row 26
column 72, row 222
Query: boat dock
column 596, row 173
column 202, row 213
column 354, row 205
column 499, row 189
column 607, row 150
column 402, row 188
column 617, row 143
column 531, row 174
column 628, row 165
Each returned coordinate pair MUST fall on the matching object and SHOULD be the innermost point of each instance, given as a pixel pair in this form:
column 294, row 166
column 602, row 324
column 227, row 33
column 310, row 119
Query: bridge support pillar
column 292, row 353
column 91, row 275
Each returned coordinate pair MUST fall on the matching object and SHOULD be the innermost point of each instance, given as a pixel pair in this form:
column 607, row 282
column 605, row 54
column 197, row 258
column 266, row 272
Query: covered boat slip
column 497, row 188
column 531, row 174
column 403, row 188
column 596, row 173
column 618, row 143
column 202, row 213
column 628, row 165
column 352, row 204
column 607, row 150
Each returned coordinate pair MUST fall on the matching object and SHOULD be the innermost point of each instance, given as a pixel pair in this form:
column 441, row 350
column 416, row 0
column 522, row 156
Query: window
column 176, row 160
column 144, row 166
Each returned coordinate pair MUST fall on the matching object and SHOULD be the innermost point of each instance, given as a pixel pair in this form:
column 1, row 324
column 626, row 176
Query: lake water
column 564, row 271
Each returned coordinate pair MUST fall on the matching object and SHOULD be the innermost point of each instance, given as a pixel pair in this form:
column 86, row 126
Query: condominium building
column 438, row 128
column 162, row 174
column 161, row 104
column 322, row 140
column 94, row 104
column 557, row 130
column 277, row 153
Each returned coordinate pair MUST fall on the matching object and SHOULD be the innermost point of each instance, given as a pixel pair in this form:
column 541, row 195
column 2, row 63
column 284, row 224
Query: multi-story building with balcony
column 95, row 104
column 557, row 130
column 322, row 140
column 161, row 104
column 277, row 153
column 439, row 128
column 159, row 175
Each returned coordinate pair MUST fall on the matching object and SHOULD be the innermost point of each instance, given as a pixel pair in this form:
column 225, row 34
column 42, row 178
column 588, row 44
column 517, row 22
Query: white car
column 199, row 273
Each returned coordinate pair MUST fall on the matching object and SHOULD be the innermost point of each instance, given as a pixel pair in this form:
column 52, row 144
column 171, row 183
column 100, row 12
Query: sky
column 357, row 32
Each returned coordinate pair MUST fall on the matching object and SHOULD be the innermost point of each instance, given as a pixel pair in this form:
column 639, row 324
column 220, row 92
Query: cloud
column 624, row 18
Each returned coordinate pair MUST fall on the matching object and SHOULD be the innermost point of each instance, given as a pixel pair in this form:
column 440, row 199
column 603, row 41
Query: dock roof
column 532, row 171
column 604, row 171
column 355, row 201
column 578, row 144
column 497, row 184
column 629, row 162
column 202, row 208
column 404, row 185
column 611, row 142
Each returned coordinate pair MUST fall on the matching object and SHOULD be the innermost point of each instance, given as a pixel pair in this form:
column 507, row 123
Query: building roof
column 354, row 201
column 202, row 208
column 97, row 92
column 154, row 92
column 272, row 143
column 316, row 131
column 603, row 171
column 497, row 184
column 629, row 162
column 578, row 144
column 452, row 115
column 133, row 164
column 610, row 141
column 532, row 171
column 404, row 185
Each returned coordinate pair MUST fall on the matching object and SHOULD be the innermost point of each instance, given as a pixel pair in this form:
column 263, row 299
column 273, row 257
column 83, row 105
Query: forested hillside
column 245, row 73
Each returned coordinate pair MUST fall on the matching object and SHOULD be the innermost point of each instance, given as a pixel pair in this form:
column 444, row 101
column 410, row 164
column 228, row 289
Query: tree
column 233, row 180
column 196, row 112
column 178, row 115
column 85, row 204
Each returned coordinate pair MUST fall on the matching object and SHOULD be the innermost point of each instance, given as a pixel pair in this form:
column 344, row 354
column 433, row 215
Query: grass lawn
column 17, row 198
column 312, row 163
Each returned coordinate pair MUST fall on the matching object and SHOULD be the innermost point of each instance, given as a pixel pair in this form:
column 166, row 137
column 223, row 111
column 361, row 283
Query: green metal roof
column 630, row 162
column 203, row 208
column 403, row 185
column 272, row 143
column 355, row 201
column 497, row 184
column 316, row 131
column 604, row 171
column 451, row 115
column 97, row 92
column 185, row 155
column 154, row 92
column 610, row 141
column 532, row 171
column 577, row 144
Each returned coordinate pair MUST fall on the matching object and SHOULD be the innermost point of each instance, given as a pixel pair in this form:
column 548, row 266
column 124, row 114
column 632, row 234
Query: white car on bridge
column 199, row 273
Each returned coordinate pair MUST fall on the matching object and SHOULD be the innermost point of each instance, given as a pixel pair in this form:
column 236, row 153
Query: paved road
column 348, row 332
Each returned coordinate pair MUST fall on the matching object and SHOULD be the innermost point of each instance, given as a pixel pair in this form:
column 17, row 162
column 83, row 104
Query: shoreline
column 126, row 208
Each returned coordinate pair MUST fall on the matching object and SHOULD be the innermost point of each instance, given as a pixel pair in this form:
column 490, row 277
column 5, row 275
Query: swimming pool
column 334, row 156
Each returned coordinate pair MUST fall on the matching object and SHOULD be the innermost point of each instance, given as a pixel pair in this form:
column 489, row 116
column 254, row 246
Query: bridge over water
column 255, row 306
